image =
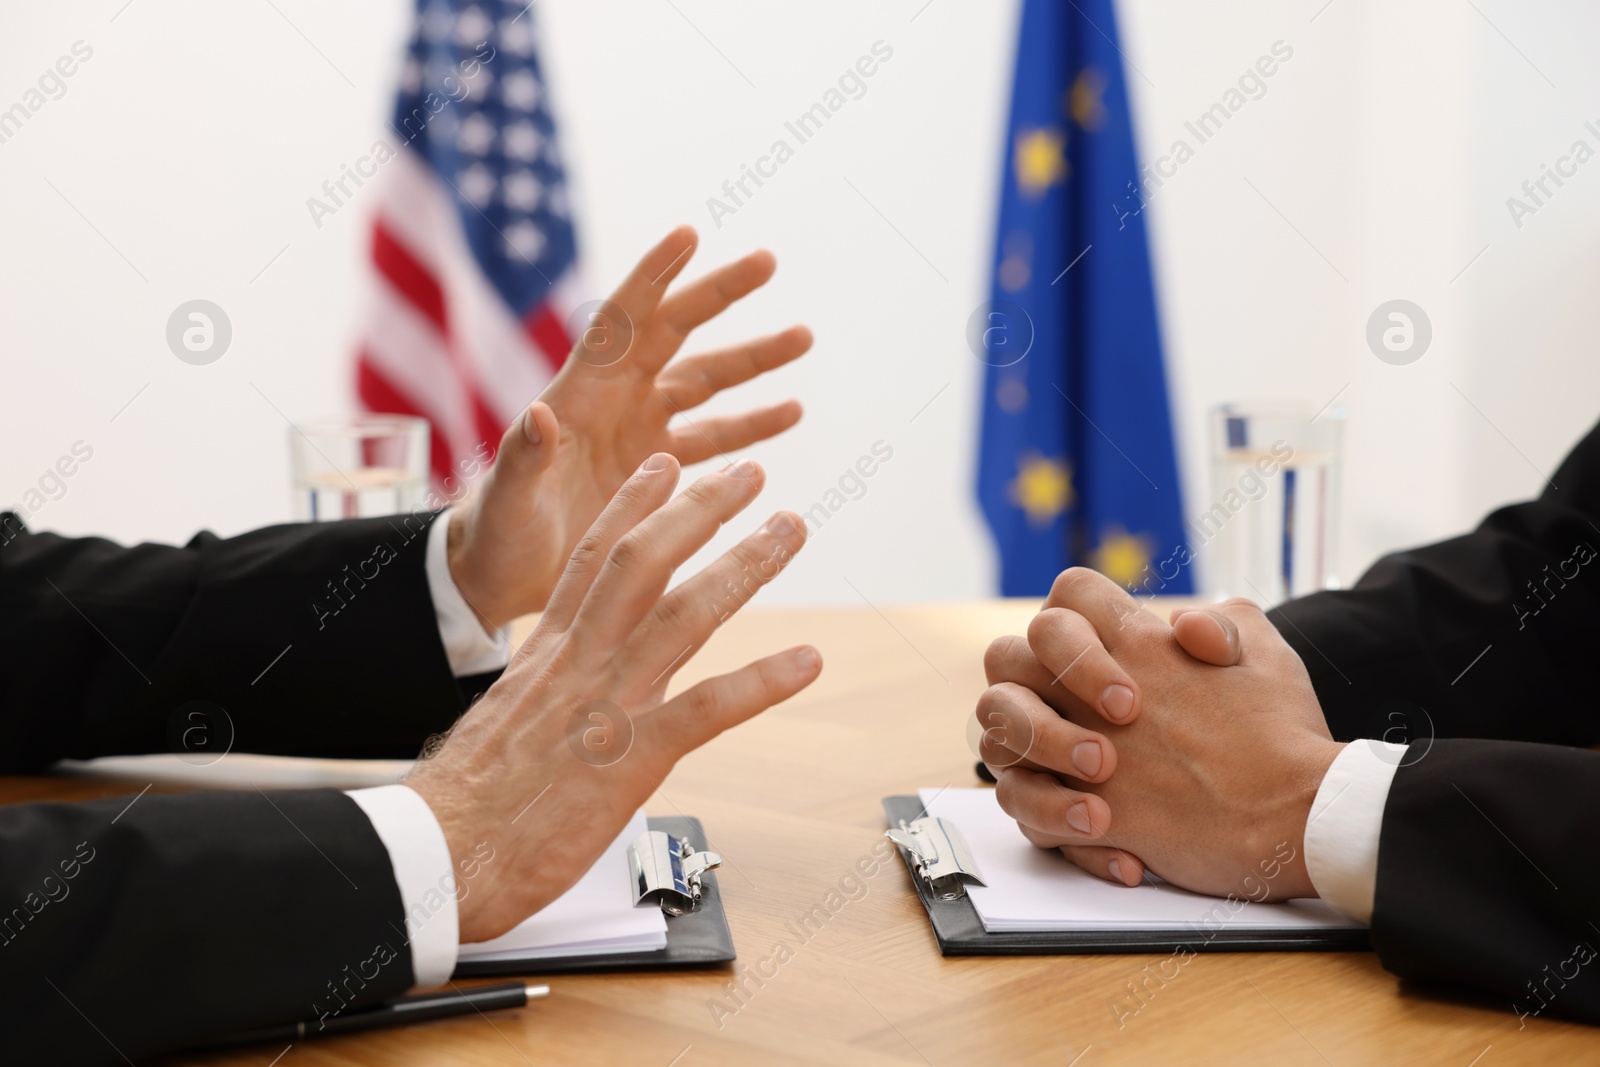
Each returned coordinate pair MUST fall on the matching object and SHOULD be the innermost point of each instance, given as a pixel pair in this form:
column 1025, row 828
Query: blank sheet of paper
column 1037, row 889
column 596, row 917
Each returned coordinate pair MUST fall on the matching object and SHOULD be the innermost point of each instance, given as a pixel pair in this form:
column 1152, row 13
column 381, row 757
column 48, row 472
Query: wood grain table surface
column 792, row 801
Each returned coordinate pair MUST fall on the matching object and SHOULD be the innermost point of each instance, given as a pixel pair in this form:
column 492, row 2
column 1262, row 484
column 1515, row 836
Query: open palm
column 612, row 405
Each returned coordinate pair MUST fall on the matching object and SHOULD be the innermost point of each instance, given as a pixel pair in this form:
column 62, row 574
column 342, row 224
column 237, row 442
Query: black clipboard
column 699, row 938
column 960, row 932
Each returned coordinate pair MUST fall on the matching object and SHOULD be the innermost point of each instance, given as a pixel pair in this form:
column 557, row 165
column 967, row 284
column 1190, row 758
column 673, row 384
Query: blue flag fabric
column 1076, row 463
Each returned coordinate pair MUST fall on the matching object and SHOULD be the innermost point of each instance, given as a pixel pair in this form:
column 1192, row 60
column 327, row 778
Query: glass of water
column 1270, row 529
column 358, row 466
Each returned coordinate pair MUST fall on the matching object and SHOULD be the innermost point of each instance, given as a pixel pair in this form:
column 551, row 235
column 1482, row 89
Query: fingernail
column 657, row 462
column 1114, row 868
column 807, row 659
column 780, row 525
column 1078, row 818
column 1117, row 702
column 530, row 428
column 744, row 468
column 1086, row 756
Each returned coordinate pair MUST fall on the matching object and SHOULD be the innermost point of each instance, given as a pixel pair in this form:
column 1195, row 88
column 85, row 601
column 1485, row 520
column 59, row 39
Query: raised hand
column 611, row 405
column 510, row 773
column 1214, row 778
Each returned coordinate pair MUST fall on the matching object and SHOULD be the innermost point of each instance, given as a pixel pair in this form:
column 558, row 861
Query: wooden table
column 792, row 801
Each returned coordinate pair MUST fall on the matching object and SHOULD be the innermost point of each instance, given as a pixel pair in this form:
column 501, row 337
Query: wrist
column 1311, row 767
column 461, row 561
column 457, row 836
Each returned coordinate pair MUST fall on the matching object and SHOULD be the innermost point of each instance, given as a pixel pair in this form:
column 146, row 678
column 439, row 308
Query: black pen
column 416, row 1008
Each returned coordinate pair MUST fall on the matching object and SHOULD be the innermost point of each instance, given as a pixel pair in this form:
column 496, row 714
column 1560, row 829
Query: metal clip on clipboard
column 666, row 870
column 940, row 855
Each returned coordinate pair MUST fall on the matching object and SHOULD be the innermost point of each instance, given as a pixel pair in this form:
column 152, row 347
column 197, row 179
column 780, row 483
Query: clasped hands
column 1192, row 749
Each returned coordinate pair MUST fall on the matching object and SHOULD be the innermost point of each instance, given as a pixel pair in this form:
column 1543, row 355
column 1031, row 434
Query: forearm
column 310, row 639
column 1487, row 874
column 134, row 926
column 1487, row 635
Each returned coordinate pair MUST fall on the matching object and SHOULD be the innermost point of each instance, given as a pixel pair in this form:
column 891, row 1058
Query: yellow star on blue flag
column 1086, row 99
column 1123, row 557
column 1042, row 488
column 1041, row 160
column 1076, row 462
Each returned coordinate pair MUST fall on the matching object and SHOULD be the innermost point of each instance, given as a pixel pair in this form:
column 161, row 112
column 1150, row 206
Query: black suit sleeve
column 133, row 926
column 1490, row 635
column 1467, row 650
column 128, row 931
column 312, row 639
column 1488, row 874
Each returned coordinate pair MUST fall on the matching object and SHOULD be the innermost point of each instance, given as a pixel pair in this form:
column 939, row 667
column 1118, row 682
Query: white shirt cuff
column 1346, row 822
column 469, row 648
column 421, row 858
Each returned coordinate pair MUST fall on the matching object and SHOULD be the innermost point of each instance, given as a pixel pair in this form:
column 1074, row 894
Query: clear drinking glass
column 1270, row 529
column 358, row 466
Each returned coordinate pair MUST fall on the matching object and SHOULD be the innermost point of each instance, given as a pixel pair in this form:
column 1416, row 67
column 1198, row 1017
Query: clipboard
column 940, row 866
column 682, row 885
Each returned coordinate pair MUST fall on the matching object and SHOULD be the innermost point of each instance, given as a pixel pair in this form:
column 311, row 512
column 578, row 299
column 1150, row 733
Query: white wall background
column 178, row 162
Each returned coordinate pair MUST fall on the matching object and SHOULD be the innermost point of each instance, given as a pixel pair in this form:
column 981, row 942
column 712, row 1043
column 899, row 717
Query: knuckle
column 753, row 562
column 745, row 555
column 634, row 490
column 705, row 701
column 674, row 612
column 1035, row 838
column 1050, row 624
column 705, row 493
column 788, row 538
column 996, row 657
column 1013, row 694
column 1005, row 794
column 768, row 678
column 993, row 700
column 1062, row 733
column 628, row 554
column 588, row 550
column 1072, row 582
column 1042, row 623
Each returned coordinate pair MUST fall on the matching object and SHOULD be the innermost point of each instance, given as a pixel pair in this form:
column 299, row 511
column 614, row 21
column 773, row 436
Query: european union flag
column 1076, row 461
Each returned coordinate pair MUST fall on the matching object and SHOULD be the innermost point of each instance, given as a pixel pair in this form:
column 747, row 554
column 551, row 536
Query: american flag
column 473, row 243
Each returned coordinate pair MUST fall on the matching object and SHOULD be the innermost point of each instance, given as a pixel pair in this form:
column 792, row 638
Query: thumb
column 1209, row 636
column 529, row 445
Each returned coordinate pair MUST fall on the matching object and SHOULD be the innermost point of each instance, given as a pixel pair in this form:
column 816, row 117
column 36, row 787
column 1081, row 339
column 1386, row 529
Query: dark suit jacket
column 1470, row 649
column 135, row 925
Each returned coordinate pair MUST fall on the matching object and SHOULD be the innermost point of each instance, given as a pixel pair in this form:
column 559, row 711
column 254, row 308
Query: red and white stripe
column 438, row 340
